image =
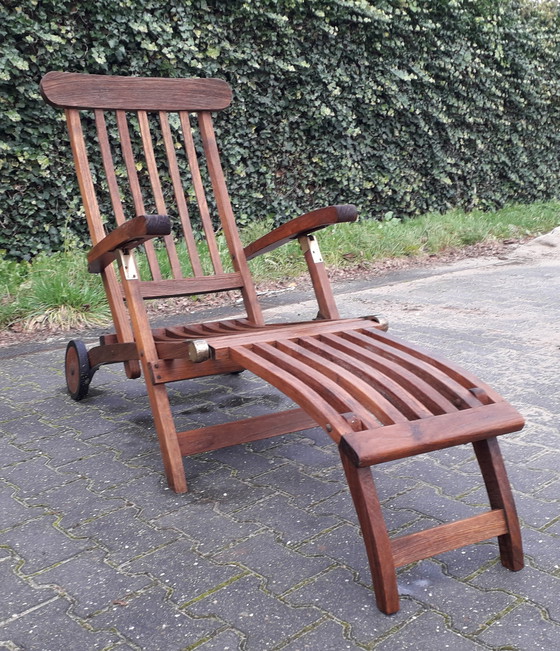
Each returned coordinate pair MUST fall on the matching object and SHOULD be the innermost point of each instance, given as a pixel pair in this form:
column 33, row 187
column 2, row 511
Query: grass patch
column 56, row 292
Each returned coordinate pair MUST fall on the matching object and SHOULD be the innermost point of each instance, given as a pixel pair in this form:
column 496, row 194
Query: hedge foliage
column 398, row 106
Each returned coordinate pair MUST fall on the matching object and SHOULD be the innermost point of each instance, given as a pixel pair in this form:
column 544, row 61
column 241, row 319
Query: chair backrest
column 138, row 149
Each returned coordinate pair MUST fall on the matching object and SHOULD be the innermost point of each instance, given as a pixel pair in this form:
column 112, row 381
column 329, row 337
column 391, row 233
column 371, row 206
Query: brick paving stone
column 89, row 422
column 50, row 628
column 523, row 628
column 124, row 535
column 427, row 501
column 150, row 494
column 328, row 636
column 291, row 523
column 104, row 472
column 427, row 632
column 18, row 595
column 12, row 511
column 183, row 570
column 244, row 461
column 10, row 454
column 225, row 490
column 7, row 412
column 309, row 455
column 91, row 583
column 530, row 584
column 226, row 641
column 283, row 567
column 27, row 428
column 40, row 545
column 61, row 450
column 461, row 563
column 469, row 608
column 338, row 595
column 211, row 531
column 541, row 548
column 304, row 489
column 264, row 620
column 74, row 503
column 155, row 624
column 129, row 441
column 451, row 483
column 34, row 476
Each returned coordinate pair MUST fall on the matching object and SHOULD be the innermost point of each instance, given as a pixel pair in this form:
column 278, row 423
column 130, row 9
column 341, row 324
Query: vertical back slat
column 180, row 195
column 227, row 218
column 155, row 182
column 136, row 191
column 97, row 232
column 108, row 165
column 199, row 193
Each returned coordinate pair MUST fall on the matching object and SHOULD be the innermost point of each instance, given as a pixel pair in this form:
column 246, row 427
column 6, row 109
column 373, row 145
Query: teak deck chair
column 378, row 398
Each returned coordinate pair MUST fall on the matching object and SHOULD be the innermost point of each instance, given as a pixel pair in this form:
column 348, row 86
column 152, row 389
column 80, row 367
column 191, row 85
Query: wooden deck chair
column 378, row 398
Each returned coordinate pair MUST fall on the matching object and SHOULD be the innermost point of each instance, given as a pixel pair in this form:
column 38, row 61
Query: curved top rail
column 83, row 91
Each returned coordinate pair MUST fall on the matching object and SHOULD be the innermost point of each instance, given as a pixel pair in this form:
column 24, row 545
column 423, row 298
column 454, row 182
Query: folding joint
column 309, row 243
column 128, row 264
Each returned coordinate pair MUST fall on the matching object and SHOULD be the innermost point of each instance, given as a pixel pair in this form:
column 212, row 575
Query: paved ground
column 264, row 552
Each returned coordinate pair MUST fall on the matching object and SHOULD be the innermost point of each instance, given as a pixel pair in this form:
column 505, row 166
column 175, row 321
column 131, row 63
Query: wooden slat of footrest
column 401, row 440
column 460, row 375
column 437, row 540
column 244, row 431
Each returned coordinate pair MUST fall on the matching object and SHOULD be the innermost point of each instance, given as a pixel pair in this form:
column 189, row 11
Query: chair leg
column 376, row 537
column 167, row 435
column 500, row 496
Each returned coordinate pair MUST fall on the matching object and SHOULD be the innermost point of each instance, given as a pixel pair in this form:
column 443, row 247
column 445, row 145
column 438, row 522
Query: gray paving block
column 523, row 628
column 211, row 531
column 229, row 640
column 468, row 608
column 129, row 441
column 18, row 594
column 244, row 461
column 103, row 471
column 155, row 624
column 338, row 595
column 541, row 548
column 448, row 481
column 328, row 636
column 530, row 584
column 10, row 454
column 427, row 501
column 41, row 545
column 75, row 503
column 264, row 620
column 290, row 480
column 62, row 449
column 461, row 563
column 34, row 476
column 288, row 521
column 51, row 628
column 427, row 632
column 150, row 494
column 310, row 455
column 26, row 428
column 186, row 572
column 282, row 566
column 124, row 534
column 12, row 511
column 91, row 583
column 225, row 490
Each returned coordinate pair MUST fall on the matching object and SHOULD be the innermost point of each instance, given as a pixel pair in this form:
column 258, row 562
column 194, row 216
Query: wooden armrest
column 311, row 221
column 132, row 233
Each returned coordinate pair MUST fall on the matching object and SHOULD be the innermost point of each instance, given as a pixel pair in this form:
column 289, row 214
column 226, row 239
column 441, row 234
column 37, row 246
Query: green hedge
column 400, row 106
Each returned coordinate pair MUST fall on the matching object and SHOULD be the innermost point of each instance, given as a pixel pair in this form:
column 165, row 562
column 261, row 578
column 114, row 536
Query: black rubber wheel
column 77, row 369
